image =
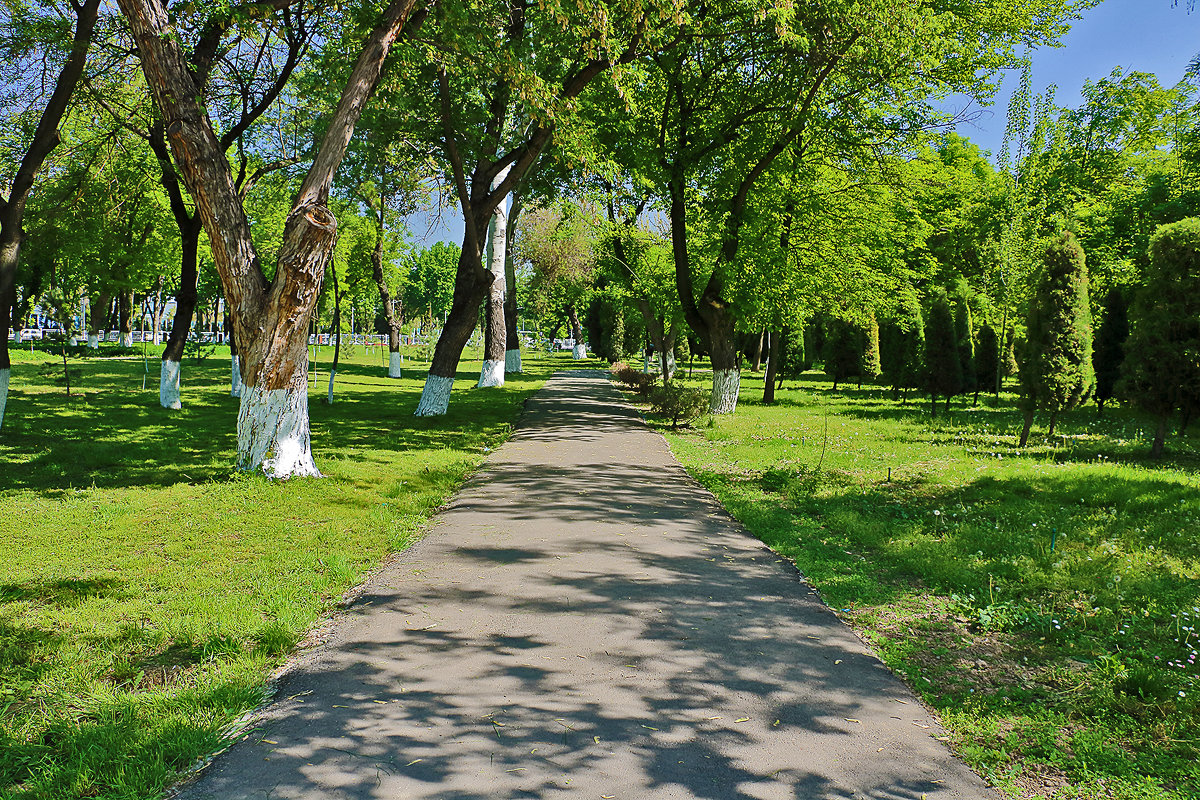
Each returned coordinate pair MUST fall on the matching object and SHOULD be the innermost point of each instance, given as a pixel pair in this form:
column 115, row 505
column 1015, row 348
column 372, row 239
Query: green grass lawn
column 1044, row 601
column 147, row 590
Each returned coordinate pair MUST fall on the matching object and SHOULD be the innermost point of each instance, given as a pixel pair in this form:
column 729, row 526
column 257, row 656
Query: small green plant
column 679, row 403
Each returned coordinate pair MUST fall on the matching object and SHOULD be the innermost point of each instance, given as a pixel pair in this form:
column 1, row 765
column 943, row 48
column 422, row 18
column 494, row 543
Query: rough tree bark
column 97, row 318
column 512, row 334
column 270, row 319
column 773, row 349
column 12, row 208
column 125, row 317
column 495, row 337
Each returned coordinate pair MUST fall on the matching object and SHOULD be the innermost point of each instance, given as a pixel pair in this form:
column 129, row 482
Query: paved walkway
column 585, row 621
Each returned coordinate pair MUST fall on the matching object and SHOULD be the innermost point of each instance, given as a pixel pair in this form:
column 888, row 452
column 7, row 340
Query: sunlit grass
column 148, row 590
column 1044, row 601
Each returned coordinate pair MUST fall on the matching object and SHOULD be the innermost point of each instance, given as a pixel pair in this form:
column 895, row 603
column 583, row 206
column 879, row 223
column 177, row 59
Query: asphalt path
column 584, row 620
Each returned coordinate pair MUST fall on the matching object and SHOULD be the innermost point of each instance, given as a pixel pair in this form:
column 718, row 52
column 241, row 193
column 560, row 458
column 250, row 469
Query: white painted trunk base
column 4, row 376
column 332, row 375
column 512, row 360
column 273, row 432
column 74, row 341
column 93, row 341
column 235, row 376
column 670, row 359
column 126, row 340
column 395, row 360
column 726, row 383
column 435, row 397
column 579, row 352
column 492, row 374
column 168, row 385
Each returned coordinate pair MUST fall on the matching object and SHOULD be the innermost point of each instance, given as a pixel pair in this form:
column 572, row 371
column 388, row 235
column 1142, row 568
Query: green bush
column 679, row 403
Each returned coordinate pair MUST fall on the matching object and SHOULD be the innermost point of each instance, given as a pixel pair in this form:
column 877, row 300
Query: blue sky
column 1143, row 35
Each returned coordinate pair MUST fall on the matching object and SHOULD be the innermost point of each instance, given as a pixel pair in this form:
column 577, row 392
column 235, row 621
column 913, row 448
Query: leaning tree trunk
column 470, row 288
column 512, row 334
column 12, row 209
column 1026, row 428
column 579, row 352
column 270, row 318
column 185, row 309
column 773, row 342
column 495, row 335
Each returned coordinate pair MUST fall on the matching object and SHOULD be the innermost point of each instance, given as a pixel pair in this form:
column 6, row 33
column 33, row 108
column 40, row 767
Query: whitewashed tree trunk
column 395, row 361
column 435, row 397
column 4, row 376
column 495, row 341
column 93, row 341
column 235, row 377
column 168, row 384
column 669, row 364
column 512, row 360
column 579, row 352
column 492, row 374
column 726, row 383
column 332, row 375
column 273, row 431
column 126, row 339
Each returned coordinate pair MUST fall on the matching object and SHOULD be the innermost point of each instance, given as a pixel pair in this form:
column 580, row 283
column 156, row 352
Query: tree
column 943, row 364
column 964, row 337
column 270, row 316
column 987, row 360
column 1110, row 346
column 559, row 246
column 43, row 142
column 1056, row 370
column 902, row 346
column 1162, row 355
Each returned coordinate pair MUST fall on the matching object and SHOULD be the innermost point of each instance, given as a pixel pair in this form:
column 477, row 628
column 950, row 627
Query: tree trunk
column 495, row 336
column 580, row 350
column 12, row 209
column 726, row 361
column 773, row 343
column 756, row 351
column 1160, row 437
column 97, row 315
column 933, row 405
column 125, row 317
column 471, row 285
column 395, row 359
column 1025, row 430
column 270, row 318
column 512, row 334
column 185, row 310
column 156, row 317
column 1053, row 422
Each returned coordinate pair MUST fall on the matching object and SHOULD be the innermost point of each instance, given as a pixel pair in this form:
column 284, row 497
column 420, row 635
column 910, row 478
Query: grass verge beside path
column 1045, row 602
column 147, row 591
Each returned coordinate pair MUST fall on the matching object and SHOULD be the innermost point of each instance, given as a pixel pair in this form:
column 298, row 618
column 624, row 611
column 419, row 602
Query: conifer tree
column 943, row 367
column 843, row 350
column 1110, row 346
column 1056, row 370
column 1162, row 355
column 987, row 361
column 868, row 343
column 902, row 346
column 964, row 340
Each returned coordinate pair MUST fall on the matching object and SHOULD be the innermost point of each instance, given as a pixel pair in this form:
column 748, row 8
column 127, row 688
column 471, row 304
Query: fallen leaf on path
column 850, row 719
column 269, row 741
column 743, row 719
column 650, row 727
column 414, row 761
